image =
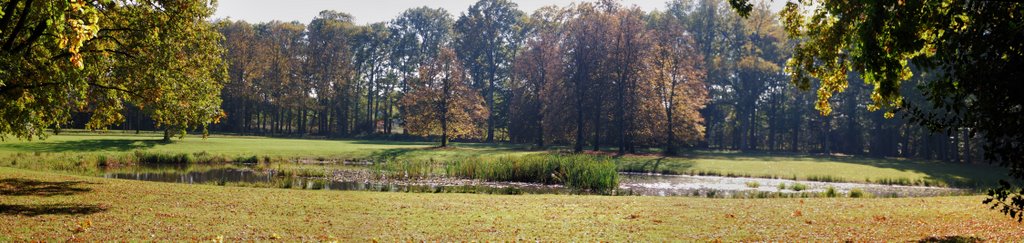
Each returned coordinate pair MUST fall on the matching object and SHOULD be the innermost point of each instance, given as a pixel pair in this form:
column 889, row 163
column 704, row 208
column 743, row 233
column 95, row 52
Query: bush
column 753, row 184
column 831, row 192
column 582, row 172
column 798, row 187
column 247, row 160
column 858, row 193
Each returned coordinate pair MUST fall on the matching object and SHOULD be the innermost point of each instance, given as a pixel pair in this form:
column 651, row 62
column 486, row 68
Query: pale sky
column 371, row 11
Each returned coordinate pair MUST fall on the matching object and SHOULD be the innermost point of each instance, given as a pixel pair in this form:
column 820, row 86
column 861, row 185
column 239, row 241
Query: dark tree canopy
column 969, row 53
column 62, row 57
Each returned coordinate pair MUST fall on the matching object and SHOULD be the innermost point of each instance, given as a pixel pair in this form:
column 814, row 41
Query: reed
column 579, row 172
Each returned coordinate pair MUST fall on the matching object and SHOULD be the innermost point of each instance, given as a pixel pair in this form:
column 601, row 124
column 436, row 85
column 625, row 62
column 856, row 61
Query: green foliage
column 967, row 53
column 247, row 159
column 830, row 191
column 63, row 57
column 796, row 186
column 858, row 193
column 753, row 184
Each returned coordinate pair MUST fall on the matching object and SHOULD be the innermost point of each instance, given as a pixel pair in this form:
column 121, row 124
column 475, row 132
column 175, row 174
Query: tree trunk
column 490, row 97
column 670, row 148
column 597, row 127
column 167, row 135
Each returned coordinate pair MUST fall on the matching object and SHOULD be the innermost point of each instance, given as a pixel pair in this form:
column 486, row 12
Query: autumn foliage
column 441, row 101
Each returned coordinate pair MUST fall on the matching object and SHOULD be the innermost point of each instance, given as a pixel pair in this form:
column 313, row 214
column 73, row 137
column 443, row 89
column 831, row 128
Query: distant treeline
column 588, row 75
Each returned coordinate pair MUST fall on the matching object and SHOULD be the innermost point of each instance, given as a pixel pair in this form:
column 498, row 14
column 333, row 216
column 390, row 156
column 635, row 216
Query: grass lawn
column 820, row 168
column 50, row 206
column 78, row 148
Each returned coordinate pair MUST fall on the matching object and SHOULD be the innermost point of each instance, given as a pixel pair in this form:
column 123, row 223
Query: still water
column 629, row 184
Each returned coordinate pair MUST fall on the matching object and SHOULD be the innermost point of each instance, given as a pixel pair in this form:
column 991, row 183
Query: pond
column 629, row 183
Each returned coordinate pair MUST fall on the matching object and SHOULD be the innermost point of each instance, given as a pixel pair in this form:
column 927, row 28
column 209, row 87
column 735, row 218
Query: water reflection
column 715, row 186
column 252, row 177
column 630, row 184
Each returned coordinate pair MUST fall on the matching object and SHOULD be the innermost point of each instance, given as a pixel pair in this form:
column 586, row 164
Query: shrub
column 247, row 160
column 782, row 186
column 798, row 187
column 753, row 184
column 858, row 193
column 830, row 192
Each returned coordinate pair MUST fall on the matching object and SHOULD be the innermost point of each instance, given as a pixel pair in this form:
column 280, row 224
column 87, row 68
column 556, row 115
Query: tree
column 246, row 60
column 675, row 70
column 586, row 49
column 417, row 36
column 284, row 89
column 538, row 100
column 373, row 55
column 329, row 63
column 629, row 45
column 486, row 36
column 442, row 102
column 974, row 47
column 97, row 56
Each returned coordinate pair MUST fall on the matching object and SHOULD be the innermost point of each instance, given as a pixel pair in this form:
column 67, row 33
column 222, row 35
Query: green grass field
column 56, row 207
column 70, row 152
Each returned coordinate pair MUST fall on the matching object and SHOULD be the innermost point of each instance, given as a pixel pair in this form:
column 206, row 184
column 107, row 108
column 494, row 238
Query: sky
column 371, row 11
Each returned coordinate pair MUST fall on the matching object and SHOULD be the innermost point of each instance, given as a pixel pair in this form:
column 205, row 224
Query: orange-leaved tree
column 442, row 101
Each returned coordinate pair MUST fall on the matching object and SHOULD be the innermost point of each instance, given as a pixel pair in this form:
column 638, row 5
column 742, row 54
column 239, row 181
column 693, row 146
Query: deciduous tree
column 443, row 102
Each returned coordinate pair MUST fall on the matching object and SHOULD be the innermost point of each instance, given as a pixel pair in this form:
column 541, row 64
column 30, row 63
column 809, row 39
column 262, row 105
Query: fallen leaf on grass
column 798, row 213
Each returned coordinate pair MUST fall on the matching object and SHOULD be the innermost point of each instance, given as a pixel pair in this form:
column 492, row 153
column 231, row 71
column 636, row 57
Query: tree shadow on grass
column 654, row 165
column 952, row 174
column 49, row 209
column 29, row 187
column 391, row 142
column 951, row 239
column 391, row 154
column 26, row 187
column 85, row 145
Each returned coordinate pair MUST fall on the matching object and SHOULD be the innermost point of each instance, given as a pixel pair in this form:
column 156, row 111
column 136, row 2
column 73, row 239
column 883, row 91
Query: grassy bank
column 819, row 168
column 81, row 153
column 43, row 205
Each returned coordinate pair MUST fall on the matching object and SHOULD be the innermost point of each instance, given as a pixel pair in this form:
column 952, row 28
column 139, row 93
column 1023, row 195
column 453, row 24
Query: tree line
column 590, row 76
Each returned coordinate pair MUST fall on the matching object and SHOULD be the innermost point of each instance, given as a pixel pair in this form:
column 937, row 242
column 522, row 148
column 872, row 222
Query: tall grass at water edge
column 578, row 172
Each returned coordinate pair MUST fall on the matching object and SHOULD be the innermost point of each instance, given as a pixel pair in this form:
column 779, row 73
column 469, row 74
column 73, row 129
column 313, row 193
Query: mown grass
column 55, row 207
column 226, row 146
column 819, row 168
column 80, row 153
